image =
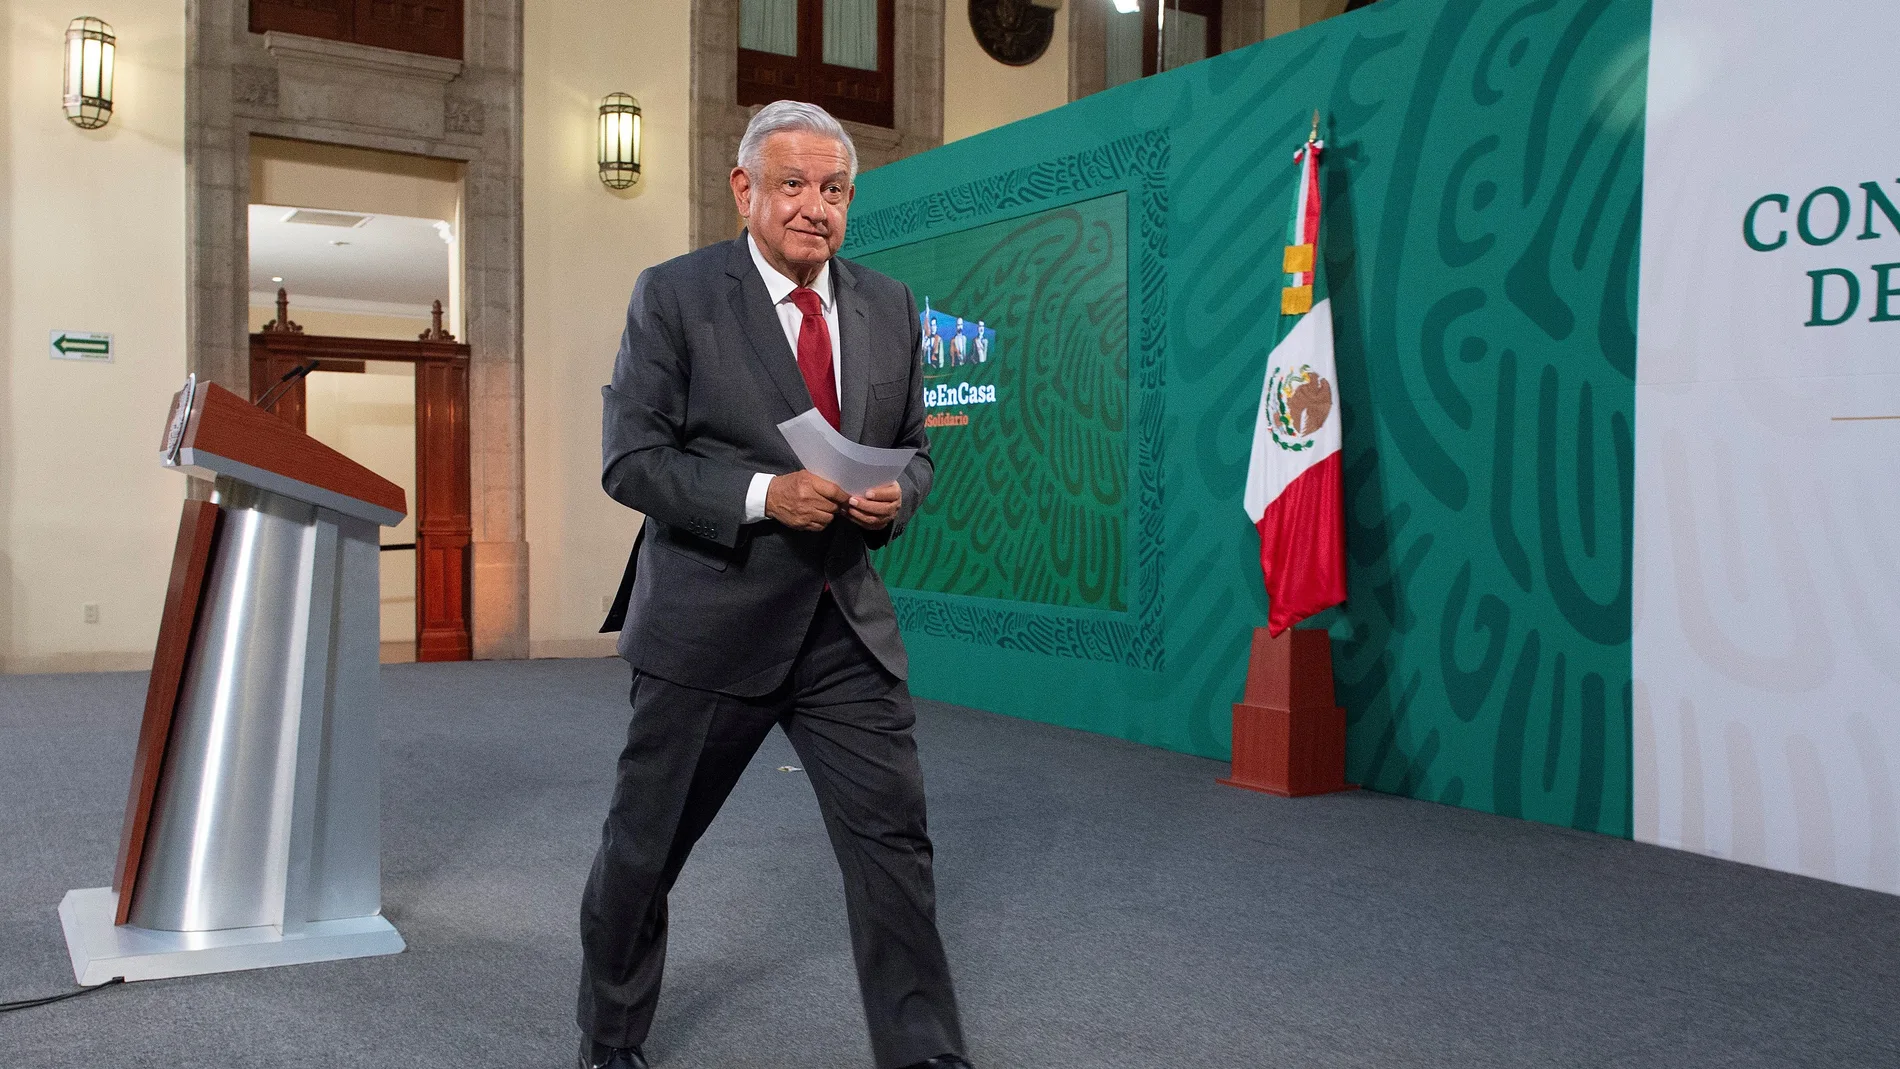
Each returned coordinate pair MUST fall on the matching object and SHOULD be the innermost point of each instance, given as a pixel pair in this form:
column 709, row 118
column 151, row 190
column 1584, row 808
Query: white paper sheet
column 825, row 452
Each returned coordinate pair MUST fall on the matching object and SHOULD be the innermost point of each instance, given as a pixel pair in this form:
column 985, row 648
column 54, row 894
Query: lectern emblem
column 175, row 426
column 1300, row 403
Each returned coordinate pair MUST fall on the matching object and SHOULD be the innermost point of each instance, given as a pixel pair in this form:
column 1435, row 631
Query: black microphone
column 275, row 393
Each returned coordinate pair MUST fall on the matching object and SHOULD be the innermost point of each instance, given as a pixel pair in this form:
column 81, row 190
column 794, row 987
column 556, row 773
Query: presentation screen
column 1025, row 357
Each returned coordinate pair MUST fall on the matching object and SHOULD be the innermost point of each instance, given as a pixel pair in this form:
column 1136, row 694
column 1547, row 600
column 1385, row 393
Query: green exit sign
column 81, row 345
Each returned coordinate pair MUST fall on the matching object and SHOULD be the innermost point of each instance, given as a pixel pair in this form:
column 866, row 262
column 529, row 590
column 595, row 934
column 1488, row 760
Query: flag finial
column 1314, row 136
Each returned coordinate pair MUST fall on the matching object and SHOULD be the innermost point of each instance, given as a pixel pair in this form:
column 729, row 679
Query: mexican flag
column 1293, row 494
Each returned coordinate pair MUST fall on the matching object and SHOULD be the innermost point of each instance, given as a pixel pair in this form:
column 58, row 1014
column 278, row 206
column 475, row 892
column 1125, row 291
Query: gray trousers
column 850, row 722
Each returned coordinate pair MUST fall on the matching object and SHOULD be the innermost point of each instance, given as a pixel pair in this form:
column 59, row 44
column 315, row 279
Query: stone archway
column 240, row 84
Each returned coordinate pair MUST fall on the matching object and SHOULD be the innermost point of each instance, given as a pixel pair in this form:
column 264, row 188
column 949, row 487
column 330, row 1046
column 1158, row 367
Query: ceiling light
column 277, row 278
column 1128, row 7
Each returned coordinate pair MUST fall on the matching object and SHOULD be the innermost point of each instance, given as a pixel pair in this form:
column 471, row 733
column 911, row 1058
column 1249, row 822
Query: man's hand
column 803, row 501
column 875, row 508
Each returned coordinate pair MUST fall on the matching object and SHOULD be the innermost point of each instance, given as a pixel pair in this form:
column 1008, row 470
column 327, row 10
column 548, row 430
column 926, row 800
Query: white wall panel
column 1767, row 637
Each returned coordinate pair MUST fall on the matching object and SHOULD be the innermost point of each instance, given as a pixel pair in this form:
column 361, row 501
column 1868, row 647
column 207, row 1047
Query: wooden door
column 444, row 523
column 444, row 517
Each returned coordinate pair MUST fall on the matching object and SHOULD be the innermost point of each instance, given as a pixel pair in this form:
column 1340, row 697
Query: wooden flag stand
column 1289, row 737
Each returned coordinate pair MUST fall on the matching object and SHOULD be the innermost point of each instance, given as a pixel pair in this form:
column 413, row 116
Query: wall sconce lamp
column 89, row 53
column 619, row 141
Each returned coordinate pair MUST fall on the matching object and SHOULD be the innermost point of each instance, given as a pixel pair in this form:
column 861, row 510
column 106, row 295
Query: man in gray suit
column 751, row 600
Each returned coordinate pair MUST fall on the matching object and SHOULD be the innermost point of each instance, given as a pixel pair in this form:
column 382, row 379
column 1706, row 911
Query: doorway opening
column 1139, row 46
column 356, row 278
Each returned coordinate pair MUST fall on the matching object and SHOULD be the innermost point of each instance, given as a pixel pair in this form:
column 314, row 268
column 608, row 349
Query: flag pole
column 1289, row 733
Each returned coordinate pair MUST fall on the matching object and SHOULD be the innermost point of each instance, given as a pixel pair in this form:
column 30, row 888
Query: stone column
column 492, row 222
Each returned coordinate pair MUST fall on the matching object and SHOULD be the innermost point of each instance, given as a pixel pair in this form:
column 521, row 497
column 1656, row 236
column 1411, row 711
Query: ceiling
column 367, row 260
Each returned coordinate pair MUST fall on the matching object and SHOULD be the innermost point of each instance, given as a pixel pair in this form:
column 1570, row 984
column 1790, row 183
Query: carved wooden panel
column 444, row 520
column 330, row 19
column 765, row 77
column 429, row 27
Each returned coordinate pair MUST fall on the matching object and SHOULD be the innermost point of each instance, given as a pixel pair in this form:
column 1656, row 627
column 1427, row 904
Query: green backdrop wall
column 1483, row 198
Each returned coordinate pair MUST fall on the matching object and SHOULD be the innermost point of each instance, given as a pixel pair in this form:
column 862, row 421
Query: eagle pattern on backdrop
column 1029, row 502
column 1484, row 204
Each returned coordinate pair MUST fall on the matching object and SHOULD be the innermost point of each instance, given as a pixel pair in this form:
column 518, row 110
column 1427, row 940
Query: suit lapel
column 854, row 351
column 760, row 326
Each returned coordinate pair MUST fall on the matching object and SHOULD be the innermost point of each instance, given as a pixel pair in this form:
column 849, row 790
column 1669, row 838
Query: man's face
column 796, row 208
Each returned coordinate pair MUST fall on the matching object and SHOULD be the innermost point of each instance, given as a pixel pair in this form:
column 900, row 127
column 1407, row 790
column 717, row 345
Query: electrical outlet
column 91, row 609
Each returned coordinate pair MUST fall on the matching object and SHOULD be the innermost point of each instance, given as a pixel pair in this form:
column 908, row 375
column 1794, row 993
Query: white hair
column 785, row 115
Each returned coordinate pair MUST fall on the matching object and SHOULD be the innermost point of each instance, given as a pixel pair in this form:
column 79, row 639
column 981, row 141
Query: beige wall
column 308, row 175
column 1284, row 16
column 583, row 246
column 93, row 225
column 980, row 94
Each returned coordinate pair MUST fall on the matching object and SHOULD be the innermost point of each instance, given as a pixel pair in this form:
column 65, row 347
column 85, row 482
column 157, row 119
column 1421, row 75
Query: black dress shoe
column 601, row 1056
column 941, row 1061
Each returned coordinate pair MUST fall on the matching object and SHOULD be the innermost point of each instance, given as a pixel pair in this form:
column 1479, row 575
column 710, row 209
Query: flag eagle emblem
column 1302, row 401
column 1293, row 481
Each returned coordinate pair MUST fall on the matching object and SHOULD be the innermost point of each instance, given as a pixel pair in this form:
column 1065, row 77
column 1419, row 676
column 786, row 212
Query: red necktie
column 814, row 354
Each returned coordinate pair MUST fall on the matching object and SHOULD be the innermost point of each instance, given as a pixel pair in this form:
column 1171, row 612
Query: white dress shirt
column 780, row 288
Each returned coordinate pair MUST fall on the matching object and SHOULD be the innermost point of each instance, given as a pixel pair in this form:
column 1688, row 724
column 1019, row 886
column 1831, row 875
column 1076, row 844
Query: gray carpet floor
column 1105, row 904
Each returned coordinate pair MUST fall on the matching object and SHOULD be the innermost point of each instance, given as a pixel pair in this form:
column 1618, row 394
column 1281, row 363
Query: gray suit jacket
column 703, row 379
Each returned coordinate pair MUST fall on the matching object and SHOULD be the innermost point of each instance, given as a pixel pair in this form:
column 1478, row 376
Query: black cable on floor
column 27, row 1004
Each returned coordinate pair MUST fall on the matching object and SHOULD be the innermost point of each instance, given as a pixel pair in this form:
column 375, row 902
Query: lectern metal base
column 101, row 950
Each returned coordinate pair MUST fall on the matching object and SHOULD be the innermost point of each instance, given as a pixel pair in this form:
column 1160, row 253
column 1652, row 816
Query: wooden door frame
column 444, row 517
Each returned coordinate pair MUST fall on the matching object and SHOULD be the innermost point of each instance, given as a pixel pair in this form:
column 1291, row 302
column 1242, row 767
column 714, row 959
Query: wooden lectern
column 252, row 828
column 1289, row 737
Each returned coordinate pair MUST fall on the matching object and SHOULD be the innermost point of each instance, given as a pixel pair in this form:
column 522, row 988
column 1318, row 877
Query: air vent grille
column 312, row 217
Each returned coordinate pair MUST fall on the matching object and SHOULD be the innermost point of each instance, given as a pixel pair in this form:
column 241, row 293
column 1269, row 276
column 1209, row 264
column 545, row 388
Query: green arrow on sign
column 66, row 343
